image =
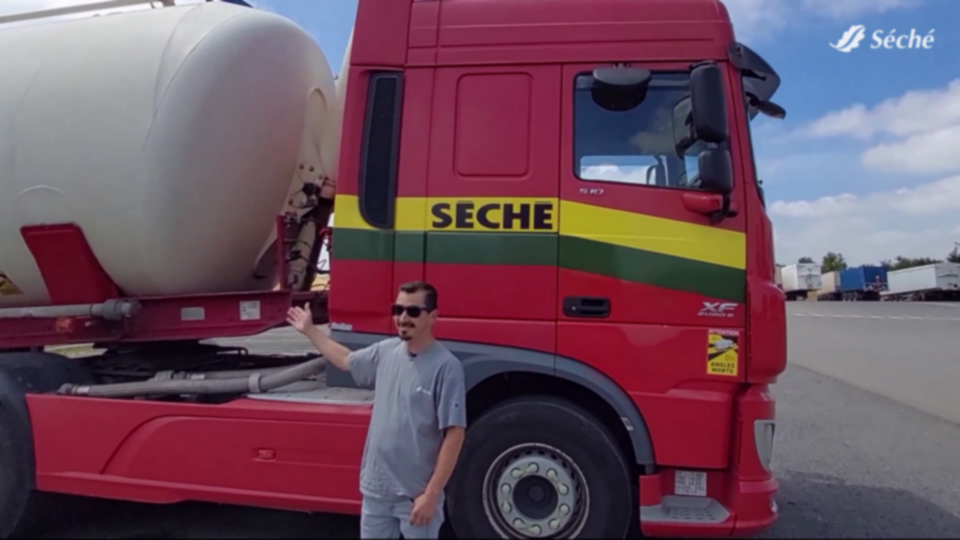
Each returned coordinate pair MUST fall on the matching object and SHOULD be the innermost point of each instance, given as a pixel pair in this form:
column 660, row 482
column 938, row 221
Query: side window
column 647, row 144
column 381, row 149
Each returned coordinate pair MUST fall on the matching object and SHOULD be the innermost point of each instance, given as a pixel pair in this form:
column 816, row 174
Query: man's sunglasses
column 412, row 311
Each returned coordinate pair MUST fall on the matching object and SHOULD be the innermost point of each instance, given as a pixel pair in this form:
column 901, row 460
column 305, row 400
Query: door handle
column 586, row 306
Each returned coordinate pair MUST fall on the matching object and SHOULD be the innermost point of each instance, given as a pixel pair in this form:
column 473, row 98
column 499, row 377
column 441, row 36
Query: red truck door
column 645, row 274
column 492, row 202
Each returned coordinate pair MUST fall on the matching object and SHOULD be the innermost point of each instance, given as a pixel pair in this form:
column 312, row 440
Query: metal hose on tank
column 208, row 375
column 256, row 383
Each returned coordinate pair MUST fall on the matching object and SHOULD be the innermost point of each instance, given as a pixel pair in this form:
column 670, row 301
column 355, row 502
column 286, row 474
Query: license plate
column 690, row 483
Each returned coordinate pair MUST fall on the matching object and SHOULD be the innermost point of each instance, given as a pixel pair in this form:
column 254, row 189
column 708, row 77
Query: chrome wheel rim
column 535, row 491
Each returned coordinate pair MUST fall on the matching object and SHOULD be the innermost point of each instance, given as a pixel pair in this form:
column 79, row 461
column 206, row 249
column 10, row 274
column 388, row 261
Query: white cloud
column 856, row 8
column 912, row 138
column 918, row 130
column 928, row 199
column 931, row 152
column 919, row 221
column 761, row 19
column 915, row 112
column 757, row 19
column 823, row 207
column 615, row 173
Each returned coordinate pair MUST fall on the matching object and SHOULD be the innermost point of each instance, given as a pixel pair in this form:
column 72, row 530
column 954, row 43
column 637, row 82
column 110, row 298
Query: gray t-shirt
column 415, row 399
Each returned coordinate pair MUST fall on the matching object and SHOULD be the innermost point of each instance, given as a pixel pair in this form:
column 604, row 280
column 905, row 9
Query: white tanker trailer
column 172, row 137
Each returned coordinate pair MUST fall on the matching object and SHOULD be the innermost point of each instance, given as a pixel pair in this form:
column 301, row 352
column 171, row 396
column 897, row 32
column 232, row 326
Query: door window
column 647, row 144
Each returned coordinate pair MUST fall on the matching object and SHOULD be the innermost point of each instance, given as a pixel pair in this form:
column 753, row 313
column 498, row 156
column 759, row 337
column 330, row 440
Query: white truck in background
column 798, row 280
column 932, row 282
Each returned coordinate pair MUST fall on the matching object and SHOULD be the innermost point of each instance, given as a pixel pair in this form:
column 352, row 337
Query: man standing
column 419, row 416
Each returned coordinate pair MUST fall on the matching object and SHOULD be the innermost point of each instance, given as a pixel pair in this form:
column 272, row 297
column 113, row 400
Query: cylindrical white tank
column 172, row 137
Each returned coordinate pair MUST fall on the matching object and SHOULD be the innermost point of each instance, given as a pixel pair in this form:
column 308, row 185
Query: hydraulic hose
column 256, row 383
column 210, row 375
column 111, row 310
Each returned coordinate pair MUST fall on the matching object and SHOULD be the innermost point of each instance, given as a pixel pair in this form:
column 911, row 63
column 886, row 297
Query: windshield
column 639, row 145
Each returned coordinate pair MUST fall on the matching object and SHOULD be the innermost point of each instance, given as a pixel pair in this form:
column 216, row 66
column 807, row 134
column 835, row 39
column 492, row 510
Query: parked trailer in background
column 932, row 282
column 830, row 287
column 864, row 282
column 800, row 279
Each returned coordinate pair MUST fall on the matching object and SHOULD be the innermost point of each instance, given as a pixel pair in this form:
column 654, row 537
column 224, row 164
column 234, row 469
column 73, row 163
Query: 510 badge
column 723, row 352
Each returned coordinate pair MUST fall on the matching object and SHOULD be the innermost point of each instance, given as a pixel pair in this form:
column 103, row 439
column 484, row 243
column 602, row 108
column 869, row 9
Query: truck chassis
column 205, row 422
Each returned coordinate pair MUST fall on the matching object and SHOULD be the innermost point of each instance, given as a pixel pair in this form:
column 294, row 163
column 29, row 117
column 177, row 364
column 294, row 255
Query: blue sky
column 329, row 21
column 865, row 162
column 855, row 167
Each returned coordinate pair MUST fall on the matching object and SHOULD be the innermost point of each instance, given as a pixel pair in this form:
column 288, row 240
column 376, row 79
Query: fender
column 481, row 362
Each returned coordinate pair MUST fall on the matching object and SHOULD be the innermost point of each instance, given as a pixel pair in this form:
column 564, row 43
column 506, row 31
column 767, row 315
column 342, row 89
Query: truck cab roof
column 446, row 32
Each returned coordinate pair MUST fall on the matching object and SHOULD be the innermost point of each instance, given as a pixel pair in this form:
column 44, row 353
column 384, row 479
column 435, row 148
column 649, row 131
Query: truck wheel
column 540, row 467
column 15, row 495
column 22, row 512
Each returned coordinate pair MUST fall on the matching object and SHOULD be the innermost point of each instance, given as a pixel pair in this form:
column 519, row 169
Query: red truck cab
column 577, row 179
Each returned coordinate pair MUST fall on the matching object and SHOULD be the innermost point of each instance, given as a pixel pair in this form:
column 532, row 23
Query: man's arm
column 447, row 459
column 361, row 364
column 452, row 419
column 334, row 352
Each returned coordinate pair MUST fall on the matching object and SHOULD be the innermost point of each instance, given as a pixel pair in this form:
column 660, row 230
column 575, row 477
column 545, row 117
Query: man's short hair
column 430, row 296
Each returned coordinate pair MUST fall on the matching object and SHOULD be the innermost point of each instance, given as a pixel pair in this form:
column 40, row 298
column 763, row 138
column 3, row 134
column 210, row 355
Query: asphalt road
column 908, row 352
column 864, row 447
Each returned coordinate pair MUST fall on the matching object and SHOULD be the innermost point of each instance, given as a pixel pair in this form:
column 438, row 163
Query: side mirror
column 708, row 103
column 716, row 171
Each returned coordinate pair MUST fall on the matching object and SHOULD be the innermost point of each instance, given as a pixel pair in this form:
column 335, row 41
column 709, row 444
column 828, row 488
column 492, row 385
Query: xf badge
column 718, row 310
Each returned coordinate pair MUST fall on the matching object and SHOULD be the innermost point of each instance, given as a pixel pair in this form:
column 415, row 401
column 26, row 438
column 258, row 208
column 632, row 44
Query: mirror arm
column 695, row 65
column 723, row 213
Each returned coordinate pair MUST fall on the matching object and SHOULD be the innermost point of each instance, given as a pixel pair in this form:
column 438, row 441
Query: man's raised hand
column 300, row 318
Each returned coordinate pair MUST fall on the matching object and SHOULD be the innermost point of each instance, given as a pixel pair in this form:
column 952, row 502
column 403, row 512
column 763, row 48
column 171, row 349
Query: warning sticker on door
column 7, row 288
column 723, row 352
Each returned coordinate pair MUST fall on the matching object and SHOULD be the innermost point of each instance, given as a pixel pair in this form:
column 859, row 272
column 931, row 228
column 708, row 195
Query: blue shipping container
column 863, row 278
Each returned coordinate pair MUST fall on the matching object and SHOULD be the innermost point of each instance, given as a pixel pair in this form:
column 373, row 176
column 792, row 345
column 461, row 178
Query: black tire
column 16, row 498
column 609, row 501
column 22, row 512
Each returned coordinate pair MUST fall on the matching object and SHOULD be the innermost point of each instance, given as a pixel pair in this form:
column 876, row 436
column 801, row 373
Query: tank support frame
column 75, row 279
